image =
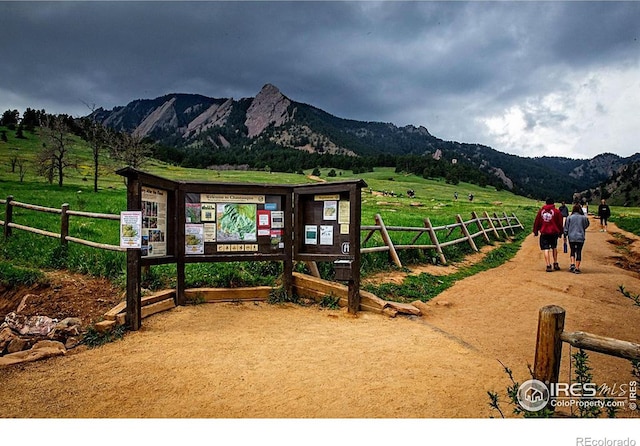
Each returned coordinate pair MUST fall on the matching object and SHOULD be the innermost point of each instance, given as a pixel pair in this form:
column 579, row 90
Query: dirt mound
column 66, row 295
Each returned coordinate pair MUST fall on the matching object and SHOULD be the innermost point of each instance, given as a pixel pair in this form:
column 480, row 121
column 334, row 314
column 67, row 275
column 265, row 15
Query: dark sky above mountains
column 528, row 78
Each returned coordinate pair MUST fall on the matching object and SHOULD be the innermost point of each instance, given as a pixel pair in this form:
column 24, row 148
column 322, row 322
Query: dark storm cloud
column 445, row 65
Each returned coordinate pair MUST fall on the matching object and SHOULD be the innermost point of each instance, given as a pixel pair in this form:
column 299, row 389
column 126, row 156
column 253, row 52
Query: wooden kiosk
column 190, row 222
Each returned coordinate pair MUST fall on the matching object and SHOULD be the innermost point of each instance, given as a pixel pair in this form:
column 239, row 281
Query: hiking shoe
column 577, row 271
column 556, row 267
column 549, row 268
column 572, row 268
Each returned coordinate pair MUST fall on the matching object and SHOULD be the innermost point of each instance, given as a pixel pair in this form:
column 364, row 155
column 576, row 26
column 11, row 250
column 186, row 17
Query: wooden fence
column 551, row 335
column 499, row 227
column 485, row 226
column 64, row 213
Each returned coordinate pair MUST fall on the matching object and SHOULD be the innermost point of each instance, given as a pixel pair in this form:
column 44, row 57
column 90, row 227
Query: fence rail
column 477, row 226
column 470, row 229
column 64, row 213
column 551, row 335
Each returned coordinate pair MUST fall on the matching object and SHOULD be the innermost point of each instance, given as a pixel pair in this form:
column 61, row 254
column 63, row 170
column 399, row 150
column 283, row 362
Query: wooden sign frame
column 187, row 227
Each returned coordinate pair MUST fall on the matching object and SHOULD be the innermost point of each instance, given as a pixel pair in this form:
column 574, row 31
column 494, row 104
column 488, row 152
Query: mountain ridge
column 206, row 127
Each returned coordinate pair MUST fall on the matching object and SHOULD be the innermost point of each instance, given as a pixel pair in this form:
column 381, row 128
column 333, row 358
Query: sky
column 546, row 78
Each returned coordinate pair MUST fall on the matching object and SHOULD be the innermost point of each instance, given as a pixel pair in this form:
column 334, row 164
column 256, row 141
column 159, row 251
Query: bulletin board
column 189, row 222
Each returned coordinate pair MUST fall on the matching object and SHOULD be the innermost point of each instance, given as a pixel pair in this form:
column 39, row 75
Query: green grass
column 434, row 200
column 11, row 275
column 425, row 286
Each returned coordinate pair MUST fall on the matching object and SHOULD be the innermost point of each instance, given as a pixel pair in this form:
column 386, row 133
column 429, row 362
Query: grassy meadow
column 434, row 199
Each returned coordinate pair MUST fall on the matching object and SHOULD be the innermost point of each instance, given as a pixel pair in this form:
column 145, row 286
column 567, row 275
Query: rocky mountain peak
column 268, row 107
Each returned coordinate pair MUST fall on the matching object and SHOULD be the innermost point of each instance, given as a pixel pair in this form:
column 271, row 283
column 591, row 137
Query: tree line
column 58, row 144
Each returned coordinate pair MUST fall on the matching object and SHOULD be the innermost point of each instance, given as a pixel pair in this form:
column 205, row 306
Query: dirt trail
column 260, row 360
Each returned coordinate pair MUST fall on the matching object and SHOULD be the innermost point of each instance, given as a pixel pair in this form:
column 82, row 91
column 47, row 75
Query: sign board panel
column 131, row 229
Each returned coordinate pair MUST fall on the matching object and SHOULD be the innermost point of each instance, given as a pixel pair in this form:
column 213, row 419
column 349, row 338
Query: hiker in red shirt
column 548, row 224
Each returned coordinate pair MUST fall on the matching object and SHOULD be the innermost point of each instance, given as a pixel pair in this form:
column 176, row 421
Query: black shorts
column 548, row 241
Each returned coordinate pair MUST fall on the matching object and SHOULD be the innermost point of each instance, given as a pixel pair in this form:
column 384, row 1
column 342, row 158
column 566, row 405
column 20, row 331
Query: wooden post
column 465, row 231
column 501, row 225
column 368, row 236
column 287, row 264
column 179, row 242
column 520, row 224
column 8, row 216
column 509, row 223
column 434, row 240
column 388, row 242
column 480, row 226
column 181, row 298
column 548, row 344
column 134, row 299
column 134, row 272
column 493, row 227
column 313, row 268
column 64, row 225
column 355, row 217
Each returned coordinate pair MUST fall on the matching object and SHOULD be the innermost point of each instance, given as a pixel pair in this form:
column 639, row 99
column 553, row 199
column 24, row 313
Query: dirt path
column 260, row 360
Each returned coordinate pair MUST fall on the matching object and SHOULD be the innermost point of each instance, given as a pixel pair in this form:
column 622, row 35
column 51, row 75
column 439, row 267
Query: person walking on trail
column 548, row 223
column 585, row 207
column 604, row 212
column 575, row 230
column 564, row 210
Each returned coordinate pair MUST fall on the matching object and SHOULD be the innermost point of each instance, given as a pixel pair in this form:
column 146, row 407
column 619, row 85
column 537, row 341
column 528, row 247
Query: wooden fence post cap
column 552, row 309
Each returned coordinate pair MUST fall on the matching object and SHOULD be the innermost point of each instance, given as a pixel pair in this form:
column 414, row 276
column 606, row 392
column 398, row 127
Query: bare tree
column 22, row 168
column 54, row 156
column 97, row 137
column 130, row 149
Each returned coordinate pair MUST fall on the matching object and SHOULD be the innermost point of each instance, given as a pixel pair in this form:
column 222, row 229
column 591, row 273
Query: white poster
column 326, row 235
column 344, row 214
column 194, row 239
column 209, row 232
column 330, row 210
column 154, row 222
column 131, row 229
column 277, row 219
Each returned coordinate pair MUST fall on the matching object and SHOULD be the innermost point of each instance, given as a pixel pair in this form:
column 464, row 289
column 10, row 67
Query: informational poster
column 194, row 239
column 326, row 234
column 209, row 231
column 154, row 222
column 131, row 229
column 193, row 212
column 344, row 212
column 236, row 222
column 277, row 219
column 276, row 238
column 264, row 222
column 310, row 234
column 330, row 210
column 208, row 212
